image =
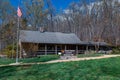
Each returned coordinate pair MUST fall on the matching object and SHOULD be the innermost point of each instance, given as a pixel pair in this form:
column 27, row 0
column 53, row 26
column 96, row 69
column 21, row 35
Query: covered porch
column 49, row 49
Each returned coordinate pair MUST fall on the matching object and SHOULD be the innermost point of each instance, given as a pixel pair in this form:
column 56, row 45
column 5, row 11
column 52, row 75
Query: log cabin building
column 43, row 43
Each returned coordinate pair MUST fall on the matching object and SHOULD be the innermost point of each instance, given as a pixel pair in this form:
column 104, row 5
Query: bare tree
column 35, row 12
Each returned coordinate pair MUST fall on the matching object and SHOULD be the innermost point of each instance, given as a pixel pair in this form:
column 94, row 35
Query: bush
column 9, row 51
column 116, row 50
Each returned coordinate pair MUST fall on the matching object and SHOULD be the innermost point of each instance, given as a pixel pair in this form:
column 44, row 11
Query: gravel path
column 80, row 59
column 67, row 60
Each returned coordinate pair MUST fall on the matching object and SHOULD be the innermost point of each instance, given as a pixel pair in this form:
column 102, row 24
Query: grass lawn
column 6, row 61
column 44, row 58
column 89, row 55
column 103, row 69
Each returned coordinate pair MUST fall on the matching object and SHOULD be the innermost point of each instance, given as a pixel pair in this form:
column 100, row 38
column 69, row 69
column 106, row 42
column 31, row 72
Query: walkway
column 81, row 59
column 56, row 61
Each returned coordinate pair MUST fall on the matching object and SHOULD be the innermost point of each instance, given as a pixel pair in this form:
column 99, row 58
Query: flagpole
column 18, row 26
column 17, row 52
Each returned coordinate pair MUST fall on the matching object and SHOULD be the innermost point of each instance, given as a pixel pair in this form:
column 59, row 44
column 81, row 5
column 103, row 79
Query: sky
column 58, row 4
column 62, row 4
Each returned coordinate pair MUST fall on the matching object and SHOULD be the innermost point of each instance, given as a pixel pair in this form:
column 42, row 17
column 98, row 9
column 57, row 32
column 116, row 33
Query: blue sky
column 58, row 4
column 62, row 4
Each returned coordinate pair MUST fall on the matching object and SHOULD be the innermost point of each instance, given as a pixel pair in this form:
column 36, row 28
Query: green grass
column 43, row 58
column 88, row 55
column 104, row 69
column 6, row 61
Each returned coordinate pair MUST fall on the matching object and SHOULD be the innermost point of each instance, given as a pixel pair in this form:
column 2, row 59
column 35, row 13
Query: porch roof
column 48, row 37
column 54, row 38
column 91, row 43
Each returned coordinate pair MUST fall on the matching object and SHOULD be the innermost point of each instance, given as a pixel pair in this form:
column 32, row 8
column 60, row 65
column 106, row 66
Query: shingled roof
column 91, row 43
column 54, row 38
column 48, row 37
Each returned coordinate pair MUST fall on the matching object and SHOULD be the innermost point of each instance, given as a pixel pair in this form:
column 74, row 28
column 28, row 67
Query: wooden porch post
column 45, row 49
column 86, row 49
column 76, row 49
column 65, row 47
column 56, row 49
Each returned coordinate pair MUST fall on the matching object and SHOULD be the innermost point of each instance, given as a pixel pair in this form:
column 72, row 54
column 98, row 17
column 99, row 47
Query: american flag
column 19, row 13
